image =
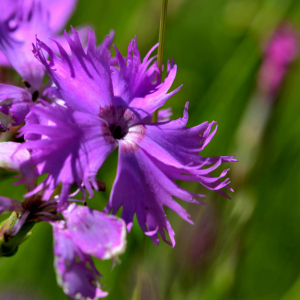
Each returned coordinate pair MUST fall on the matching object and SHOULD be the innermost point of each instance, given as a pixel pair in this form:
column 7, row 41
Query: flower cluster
column 92, row 105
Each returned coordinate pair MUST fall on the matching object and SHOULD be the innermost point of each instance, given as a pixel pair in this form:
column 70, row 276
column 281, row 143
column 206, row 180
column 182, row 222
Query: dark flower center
column 35, row 95
column 117, row 118
column 121, row 125
column 117, row 132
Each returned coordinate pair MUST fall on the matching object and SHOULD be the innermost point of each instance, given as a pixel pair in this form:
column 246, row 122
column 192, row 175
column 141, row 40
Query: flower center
column 121, row 127
column 117, row 118
column 117, row 131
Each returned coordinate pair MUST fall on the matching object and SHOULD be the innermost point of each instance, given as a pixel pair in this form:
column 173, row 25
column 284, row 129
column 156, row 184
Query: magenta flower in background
column 281, row 50
column 109, row 107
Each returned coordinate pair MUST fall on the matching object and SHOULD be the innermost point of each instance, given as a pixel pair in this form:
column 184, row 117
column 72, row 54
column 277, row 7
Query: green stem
column 161, row 41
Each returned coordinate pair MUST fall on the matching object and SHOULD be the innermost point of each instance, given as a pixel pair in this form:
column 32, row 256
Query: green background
column 244, row 248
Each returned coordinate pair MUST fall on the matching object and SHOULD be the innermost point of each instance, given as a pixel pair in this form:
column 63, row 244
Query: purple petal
column 138, row 189
column 83, row 81
column 10, row 161
column 75, row 271
column 7, row 9
column 14, row 103
column 94, row 232
column 151, row 157
column 16, row 42
column 138, row 83
column 60, row 12
column 19, row 161
column 160, row 138
column 159, row 141
column 107, row 42
column 72, row 150
column 82, row 33
column 163, row 116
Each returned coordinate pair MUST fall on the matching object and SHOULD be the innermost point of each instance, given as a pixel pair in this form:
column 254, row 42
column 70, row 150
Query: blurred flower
column 83, row 232
column 108, row 107
column 17, row 32
column 281, row 50
column 19, row 25
column 20, row 22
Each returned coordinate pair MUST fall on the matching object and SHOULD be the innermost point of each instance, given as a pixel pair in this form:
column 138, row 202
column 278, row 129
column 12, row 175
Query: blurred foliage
column 244, row 248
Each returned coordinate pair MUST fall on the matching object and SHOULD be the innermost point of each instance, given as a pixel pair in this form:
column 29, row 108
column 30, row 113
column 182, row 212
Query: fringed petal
column 96, row 233
column 83, row 81
column 71, row 150
column 16, row 41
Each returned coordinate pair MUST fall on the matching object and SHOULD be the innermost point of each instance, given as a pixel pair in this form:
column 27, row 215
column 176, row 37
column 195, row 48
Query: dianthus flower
column 19, row 25
column 109, row 107
column 80, row 234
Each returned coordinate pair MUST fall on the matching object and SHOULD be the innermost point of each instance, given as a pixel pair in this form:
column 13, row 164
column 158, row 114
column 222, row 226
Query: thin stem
column 161, row 41
column 162, row 31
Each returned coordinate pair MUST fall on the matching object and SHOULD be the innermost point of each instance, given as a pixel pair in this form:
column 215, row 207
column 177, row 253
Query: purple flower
column 280, row 52
column 59, row 12
column 19, row 25
column 76, row 272
column 17, row 32
column 85, row 232
column 109, row 107
column 21, row 22
column 82, row 233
